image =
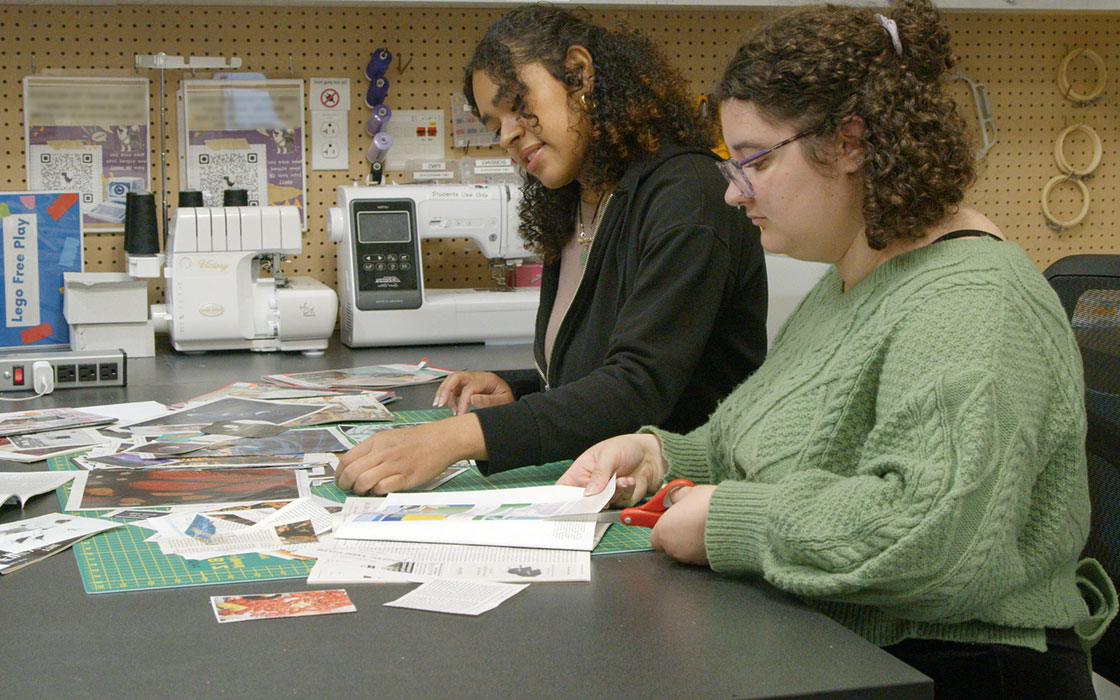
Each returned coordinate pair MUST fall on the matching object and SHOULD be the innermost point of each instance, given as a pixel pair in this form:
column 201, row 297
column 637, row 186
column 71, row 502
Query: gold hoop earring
column 583, row 102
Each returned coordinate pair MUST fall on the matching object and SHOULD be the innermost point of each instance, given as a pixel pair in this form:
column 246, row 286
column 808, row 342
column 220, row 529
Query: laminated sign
column 42, row 240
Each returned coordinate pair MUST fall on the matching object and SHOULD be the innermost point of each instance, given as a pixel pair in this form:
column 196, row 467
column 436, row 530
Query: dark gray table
column 644, row 627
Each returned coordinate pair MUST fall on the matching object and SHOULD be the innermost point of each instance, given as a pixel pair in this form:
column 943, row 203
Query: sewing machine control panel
column 386, row 254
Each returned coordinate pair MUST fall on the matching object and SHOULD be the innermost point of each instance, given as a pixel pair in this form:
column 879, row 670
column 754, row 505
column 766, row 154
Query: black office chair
column 1089, row 287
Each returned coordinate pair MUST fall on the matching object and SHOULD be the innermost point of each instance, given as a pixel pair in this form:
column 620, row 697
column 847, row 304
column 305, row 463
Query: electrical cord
column 42, row 380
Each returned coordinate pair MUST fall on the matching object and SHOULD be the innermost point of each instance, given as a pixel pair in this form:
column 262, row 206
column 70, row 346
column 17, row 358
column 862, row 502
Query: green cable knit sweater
column 910, row 457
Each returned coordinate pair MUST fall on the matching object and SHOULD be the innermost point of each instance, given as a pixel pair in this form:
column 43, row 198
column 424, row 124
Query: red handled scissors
column 647, row 514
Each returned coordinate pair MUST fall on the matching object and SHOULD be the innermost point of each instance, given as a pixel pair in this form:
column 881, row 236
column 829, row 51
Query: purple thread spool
column 382, row 142
column 378, row 89
column 378, row 118
column 379, row 62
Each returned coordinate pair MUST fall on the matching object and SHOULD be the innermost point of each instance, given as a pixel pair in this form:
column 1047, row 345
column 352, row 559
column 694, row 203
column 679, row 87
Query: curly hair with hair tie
column 636, row 102
column 818, row 66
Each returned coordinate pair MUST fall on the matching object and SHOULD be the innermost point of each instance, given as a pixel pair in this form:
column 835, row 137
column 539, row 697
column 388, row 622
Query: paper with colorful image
column 520, row 517
column 48, row 419
column 229, row 408
column 264, row 606
column 135, row 488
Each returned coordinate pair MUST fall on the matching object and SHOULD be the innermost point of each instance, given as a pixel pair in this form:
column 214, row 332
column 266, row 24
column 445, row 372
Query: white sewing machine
column 383, row 299
column 225, row 290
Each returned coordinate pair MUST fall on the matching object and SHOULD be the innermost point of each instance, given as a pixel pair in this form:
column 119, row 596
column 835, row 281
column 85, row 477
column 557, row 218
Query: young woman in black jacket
column 653, row 299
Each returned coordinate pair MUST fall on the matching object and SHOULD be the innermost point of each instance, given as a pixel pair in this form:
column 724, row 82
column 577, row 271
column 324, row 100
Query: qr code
column 215, row 171
column 59, row 170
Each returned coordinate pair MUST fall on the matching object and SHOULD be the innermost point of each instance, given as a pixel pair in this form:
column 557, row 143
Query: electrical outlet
column 329, row 135
column 70, row 369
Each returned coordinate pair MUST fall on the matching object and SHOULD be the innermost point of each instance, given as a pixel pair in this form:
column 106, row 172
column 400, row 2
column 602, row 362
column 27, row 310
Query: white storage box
column 136, row 339
column 103, row 297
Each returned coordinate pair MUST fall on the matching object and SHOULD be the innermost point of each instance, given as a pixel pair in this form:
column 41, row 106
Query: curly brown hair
column 818, row 66
column 636, row 103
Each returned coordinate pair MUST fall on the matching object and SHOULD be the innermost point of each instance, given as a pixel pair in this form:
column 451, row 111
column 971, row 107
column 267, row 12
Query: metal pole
column 163, row 152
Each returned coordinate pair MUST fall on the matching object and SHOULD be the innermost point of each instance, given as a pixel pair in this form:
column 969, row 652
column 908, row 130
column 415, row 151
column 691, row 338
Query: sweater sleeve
column 688, row 456
column 661, row 330
column 929, row 523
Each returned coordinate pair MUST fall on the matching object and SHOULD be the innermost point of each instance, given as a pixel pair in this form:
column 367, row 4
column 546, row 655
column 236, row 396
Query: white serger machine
column 224, row 287
column 383, row 300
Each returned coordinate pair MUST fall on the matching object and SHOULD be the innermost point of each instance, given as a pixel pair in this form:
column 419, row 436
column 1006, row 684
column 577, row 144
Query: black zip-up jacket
column 669, row 317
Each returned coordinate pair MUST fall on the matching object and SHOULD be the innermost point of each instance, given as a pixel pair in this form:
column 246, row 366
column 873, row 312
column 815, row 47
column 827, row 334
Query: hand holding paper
column 634, row 459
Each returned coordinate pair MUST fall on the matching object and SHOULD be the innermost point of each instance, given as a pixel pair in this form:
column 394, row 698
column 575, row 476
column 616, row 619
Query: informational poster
column 90, row 136
column 42, row 239
column 244, row 135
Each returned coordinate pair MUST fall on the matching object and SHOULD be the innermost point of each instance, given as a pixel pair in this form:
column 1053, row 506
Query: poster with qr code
column 244, row 135
column 221, row 166
column 90, row 136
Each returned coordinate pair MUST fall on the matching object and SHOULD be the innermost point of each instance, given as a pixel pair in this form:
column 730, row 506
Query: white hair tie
column 892, row 29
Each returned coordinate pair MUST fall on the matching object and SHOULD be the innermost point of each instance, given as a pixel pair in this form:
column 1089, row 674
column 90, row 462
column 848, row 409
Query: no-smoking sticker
column 329, row 94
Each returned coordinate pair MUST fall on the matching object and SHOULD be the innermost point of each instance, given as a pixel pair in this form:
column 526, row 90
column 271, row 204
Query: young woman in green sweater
column 909, row 459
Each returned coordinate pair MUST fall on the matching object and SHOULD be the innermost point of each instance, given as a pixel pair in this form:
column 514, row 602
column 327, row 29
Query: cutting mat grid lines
column 120, row 560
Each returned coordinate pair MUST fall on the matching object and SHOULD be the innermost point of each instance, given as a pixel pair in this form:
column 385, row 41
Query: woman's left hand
column 680, row 531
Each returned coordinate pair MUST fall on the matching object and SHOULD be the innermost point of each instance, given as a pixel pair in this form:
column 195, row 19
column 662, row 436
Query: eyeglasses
column 735, row 172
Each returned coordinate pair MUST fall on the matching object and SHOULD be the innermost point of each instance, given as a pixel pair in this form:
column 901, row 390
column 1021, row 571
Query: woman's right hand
column 635, row 459
column 466, row 390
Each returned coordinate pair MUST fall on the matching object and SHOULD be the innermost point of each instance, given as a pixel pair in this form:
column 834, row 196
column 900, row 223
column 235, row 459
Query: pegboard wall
column 1016, row 55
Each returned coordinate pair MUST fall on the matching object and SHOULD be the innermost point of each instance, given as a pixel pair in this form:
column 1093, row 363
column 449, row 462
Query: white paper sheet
column 543, row 534
column 251, row 539
column 23, row 535
column 302, row 509
column 458, row 597
column 356, row 561
column 24, row 485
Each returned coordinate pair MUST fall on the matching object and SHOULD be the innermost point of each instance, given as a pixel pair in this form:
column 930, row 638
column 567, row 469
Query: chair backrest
column 1089, row 287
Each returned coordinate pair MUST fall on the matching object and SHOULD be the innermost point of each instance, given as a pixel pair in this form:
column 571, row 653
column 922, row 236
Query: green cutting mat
column 120, row 559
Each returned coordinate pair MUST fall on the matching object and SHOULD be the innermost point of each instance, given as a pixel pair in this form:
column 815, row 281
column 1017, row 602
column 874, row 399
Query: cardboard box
column 136, row 339
column 104, row 297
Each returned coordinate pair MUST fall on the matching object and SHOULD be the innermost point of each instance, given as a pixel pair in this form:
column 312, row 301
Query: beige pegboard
column 1016, row 55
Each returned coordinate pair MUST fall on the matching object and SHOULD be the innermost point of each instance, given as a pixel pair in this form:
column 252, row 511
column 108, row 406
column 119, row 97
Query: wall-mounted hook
column 291, row 68
column 32, row 63
column 402, row 64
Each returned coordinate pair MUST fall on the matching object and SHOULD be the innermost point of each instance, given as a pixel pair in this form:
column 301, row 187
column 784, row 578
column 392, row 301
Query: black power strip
column 71, row 369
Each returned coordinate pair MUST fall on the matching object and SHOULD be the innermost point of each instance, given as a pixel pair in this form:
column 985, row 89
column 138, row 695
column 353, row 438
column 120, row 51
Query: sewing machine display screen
column 386, row 254
column 384, row 227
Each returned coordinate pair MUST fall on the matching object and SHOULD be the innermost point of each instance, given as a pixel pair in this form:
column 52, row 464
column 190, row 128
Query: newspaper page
column 458, row 597
column 357, row 561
